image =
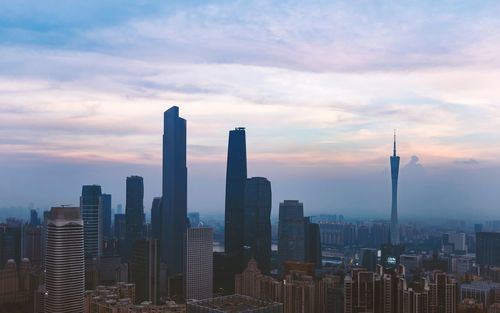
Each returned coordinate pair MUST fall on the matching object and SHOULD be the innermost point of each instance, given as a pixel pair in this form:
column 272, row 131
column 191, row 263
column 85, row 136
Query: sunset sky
column 320, row 87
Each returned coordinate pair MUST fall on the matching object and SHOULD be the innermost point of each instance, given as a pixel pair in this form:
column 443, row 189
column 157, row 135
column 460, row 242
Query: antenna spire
column 394, row 142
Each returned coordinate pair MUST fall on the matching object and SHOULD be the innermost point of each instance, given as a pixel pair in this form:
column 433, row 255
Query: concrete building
column 65, row 269
column 198, row 275
column 234, row 304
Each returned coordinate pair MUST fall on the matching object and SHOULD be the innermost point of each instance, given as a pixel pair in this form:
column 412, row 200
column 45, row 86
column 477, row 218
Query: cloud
column 468, row 162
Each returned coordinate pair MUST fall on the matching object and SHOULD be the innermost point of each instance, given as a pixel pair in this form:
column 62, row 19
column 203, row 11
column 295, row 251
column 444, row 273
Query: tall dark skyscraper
column 144, row 269
column 291, row 232
column 156, row 218
column 105, row 208
column 134, row 209
column 312, row 242
column 394, row 210
column 34, row 219
column 92, row 233
column 236, row 176
column 257, row 218
column 174, row 197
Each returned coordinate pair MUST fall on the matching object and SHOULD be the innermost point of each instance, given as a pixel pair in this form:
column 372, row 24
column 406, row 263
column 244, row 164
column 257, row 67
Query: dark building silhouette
column 10, row 241
column 156, row 218
column 174, row 196
column 487, row 249
column 394, row 211
column 369, row 259
column 105, row 203
column 144, row 269
column 291, row 236
column 194, row 219
column 257, row 222
column 312, row 243
column 134, row 210
column 32, row 244
column 236, row 175
column 120, row 226
column 92, row 235
column 34, row 219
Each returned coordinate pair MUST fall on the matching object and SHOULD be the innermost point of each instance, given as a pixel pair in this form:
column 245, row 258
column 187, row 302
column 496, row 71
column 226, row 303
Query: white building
column 65, row 269
column 198, row 272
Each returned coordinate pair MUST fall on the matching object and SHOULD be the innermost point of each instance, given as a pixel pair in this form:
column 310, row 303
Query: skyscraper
column 145, row 269
column 236, row 175
column 92, row 232
column 174, row 197
column 34, row 219
column 257, row 221
column 156, row 218
column 198, row 271
column 312, row 242
column 487, row 252
column 105, row 208
column 394, row 211
column 134, row 210
column 65, row 270
column 291, row 246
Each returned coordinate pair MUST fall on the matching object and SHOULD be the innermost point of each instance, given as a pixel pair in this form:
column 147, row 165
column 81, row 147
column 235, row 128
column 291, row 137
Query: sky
column 320, row 87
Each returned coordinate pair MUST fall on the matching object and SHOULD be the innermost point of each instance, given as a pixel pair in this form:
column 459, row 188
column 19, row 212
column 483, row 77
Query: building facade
column 198, row 271
column 65, row 269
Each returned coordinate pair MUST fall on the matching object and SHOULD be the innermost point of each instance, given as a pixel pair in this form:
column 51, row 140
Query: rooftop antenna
column 394, row 142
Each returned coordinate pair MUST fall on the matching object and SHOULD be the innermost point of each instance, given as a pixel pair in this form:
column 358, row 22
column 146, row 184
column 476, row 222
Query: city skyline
column 319, row 100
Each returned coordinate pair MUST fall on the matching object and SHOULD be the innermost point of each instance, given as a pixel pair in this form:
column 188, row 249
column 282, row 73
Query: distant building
column 34, row 219
column 236, row 176
column 312, row 243
column 487, row 251
column 65, row 270
column 198, row 275
column 194, row 219
column 156, row 218
column 257, row 221
column 32, row 244
column 144, row 269
column 120, row 226
column 481, row 291
column 234, row 304
column 134, row 210
column 89, row 205
column 105, row 209
column 291, row 237
column 10, row 241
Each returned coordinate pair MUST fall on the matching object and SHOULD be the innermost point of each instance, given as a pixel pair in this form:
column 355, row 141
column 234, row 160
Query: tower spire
column 394, row 143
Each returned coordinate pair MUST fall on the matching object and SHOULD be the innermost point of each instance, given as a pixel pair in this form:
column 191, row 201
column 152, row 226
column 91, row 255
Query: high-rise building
column 34, row 219
column 487, row 251
column 394, row 211
column 10, row 241
column 198, row 270
column 120, row 226
column 65, row 269
column 144, row 270
column 257, row 221
column 156, row 218
column 236, row 176
column 134, row 210
column 194, row 219
column 312, row 243
column 291, row 237
column 105, row 209
column 92, row 232
column 174, row 197
column 32, row 244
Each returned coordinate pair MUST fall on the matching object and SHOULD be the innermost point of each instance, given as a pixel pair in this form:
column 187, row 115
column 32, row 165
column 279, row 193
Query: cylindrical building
column 65, row 269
